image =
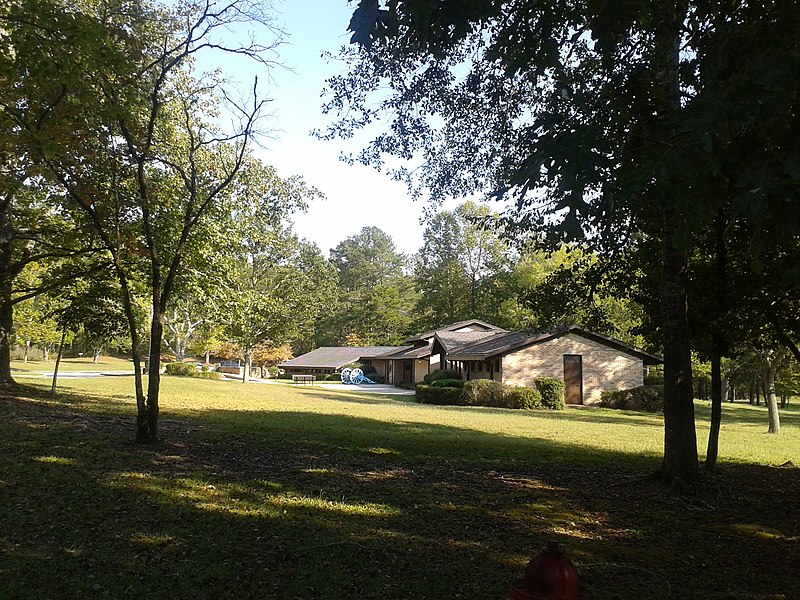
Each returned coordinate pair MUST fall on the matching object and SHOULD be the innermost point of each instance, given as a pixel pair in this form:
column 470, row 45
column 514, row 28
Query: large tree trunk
column 6, row 281
column 717, row 394
column 680, row 465
column 147, row 422
column 6, row 323
column 719, row 388
column 680, row 440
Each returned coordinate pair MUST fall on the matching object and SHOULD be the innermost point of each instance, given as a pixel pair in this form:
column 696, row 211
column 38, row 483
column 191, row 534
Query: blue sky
column 356, row 196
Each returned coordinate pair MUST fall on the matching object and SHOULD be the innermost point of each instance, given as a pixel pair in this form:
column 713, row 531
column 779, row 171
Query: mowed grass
column 283, row 491
column 84, row 363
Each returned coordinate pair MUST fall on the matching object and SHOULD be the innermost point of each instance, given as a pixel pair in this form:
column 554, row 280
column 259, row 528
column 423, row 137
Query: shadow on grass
column 300, row 505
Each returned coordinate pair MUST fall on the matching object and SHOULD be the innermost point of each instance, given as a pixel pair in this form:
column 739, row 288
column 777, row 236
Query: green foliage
column 455, row 383
column 428, row 394
column 375, row 296
column 181, row 369
column 552, row 391
column 524, row 398
column 208, row 375
column 647, row 398
column 273, row 371
column 441, row 374
column 483, row 392
column 459, row 265
column 655, row 375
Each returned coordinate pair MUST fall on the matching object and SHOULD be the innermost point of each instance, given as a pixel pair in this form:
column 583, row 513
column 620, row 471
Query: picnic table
column 304, row 379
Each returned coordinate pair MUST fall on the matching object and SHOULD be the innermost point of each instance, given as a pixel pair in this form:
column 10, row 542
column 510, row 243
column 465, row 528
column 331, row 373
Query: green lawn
column 104, row 363
column 282, row 491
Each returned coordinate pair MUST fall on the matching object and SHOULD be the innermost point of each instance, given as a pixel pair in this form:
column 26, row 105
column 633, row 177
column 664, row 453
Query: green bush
column 273, row 371
column 521, row 398
column 552, row 391
column 180, row 369
column 647, row 398
column 209, row 375
column 454, row 383
column 447, row 396
column 441, row 374
column 483, row 392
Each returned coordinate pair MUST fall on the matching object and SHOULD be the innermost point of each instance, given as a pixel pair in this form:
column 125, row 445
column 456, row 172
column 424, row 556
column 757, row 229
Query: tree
column 152, row 160
column 275, row 284
column 593, row 118
column 375, row 294
column 458, row 266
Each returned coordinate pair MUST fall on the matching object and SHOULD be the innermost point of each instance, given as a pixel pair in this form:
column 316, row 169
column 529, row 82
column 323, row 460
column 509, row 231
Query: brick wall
column 604, row 368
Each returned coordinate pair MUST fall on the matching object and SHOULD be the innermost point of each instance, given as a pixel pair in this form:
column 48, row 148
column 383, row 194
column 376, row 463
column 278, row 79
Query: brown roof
column 511, row 341
column 335, row 357
column 408, row 352
column 453, row 327
column 451, row 340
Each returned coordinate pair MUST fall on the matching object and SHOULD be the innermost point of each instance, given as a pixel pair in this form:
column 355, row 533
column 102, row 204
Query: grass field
column 282, row 491
column 104, row 363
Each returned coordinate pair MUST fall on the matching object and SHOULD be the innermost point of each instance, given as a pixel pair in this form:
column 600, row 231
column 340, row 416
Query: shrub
column 647, row 398
column 454, row 383
column 483, row 392
column 552, row 391
column 448, row 396
column 209, row 375
column 441, row 374
column 273, row 371
column 521, row 397
column 180, row 369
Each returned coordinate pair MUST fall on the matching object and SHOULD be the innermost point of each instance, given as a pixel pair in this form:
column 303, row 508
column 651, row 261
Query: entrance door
column 408, row 373
column 573, row 378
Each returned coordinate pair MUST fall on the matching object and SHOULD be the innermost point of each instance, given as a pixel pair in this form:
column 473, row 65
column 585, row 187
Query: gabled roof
column 482, row 325
column 451, row 340
column 501, row 344
column 335, row 357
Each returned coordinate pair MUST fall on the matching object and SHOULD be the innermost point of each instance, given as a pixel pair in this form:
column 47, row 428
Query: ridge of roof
column 515, row 340
column 336, row 356
column 450, row 328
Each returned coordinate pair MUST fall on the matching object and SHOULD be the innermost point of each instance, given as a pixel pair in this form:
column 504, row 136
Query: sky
column 356, row 196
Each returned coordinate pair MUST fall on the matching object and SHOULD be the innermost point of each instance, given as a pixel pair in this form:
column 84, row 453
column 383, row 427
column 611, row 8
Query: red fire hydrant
column 549, row 576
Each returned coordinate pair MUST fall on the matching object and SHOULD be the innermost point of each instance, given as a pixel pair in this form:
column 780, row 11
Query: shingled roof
column 503, row 343
column 335, row 357
column 453, row 327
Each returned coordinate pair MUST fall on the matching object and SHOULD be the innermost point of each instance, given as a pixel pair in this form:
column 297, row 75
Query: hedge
column 209, row 375
column 454, row 383
column 441, row 374
column 483, row 392
column 552, row 391
column 181, row 369
column 428, row 394
column 524, row 398
column 647, row 398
